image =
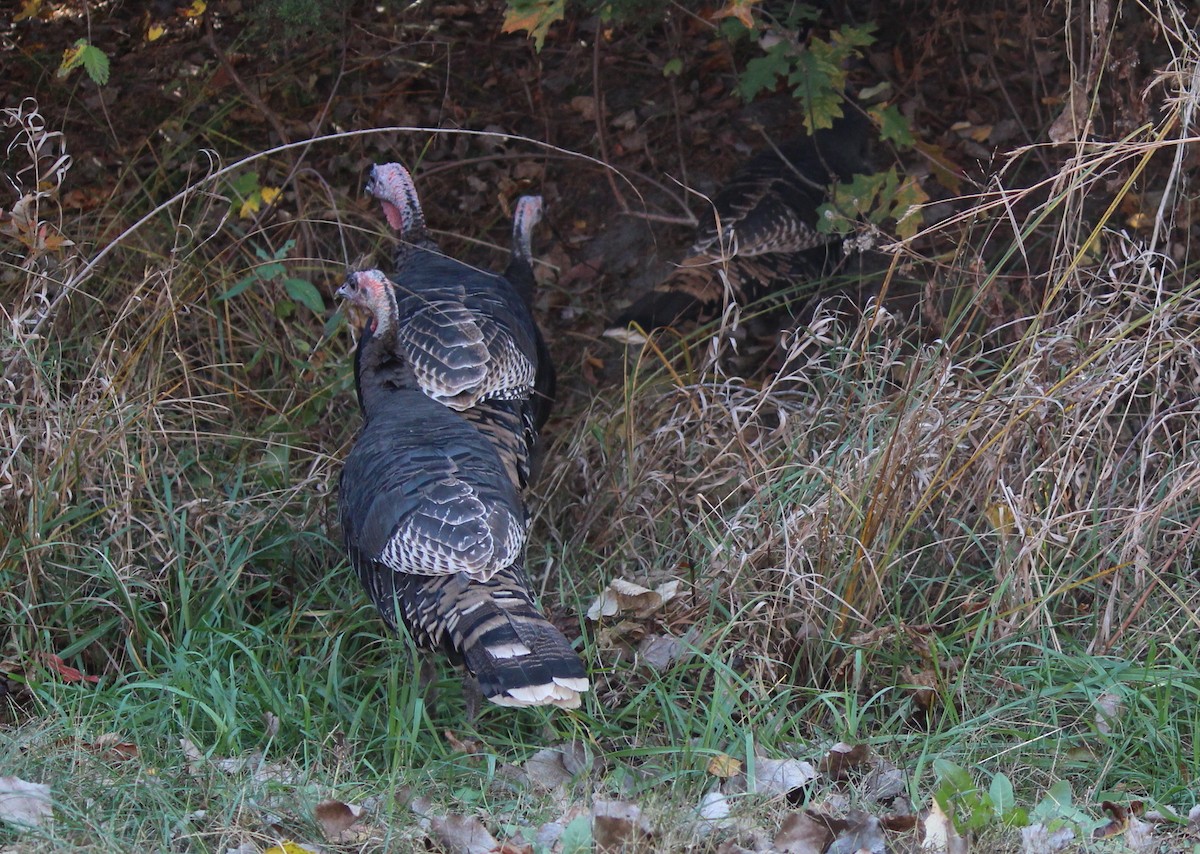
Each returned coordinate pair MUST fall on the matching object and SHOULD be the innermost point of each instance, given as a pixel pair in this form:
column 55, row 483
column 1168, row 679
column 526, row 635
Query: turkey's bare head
column 393, row 186
column 371, row 291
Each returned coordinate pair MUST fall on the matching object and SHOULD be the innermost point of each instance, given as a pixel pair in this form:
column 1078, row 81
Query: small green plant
column 874, row 198
column 271, row 272
column 972, row 808
column 814, row 71
column 92, row 58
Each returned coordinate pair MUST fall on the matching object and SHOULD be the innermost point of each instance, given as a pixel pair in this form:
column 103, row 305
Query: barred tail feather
column 517, row 657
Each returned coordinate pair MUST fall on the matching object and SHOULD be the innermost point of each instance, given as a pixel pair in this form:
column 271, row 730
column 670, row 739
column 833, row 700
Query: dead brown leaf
column 1038, row 839
column 559, row 765
column 658, row 651
column 800, row 833
column 857, row 832
column 622, row 596
column 111, row 748
column 618, row 826
column 585, row 105
column 1072, row 123
column 1109, row 708
column 724, row 765
column 462, row 834
column 940, row 834
column 468, row 746
column 337, row 821
column 743, row 10
column 842, row 759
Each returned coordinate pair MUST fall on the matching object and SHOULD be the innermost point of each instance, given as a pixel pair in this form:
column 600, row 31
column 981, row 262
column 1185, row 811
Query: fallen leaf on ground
column 24, row 803
column 1139, row 835
column 65, row 671
column 469, row 746
column 557, row 766
column 1037, row 839
column 658, row 651
column 1109, row 708
column 856, row 833
column 623, row 596
column 111, row 748
column 462, row 834
column 724, row 765
column 940, row 834
column 843, row 758
column 1071, row 124
column 800, row 833
column 618, row 826
column 336, row 820
column 781, row 776
column 712, row 813
column 289, row 847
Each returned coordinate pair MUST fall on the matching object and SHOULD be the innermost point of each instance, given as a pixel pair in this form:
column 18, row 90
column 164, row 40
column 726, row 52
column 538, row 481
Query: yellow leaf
column 195, row 10
column 980, row 133
column 155, row 32
column 29, row 9
column 270, row 194
column 536, row 19
column 288, row 847
column 1141, row 219
column 72, row 57
column 251, row 206
column 1001, row 517
column 741, row 9
column 724, row 765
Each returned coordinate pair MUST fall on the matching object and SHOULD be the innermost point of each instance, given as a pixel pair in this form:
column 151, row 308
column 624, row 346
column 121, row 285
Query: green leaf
column 763, row 72
column 1060, row 793
column 854, row 37
column 1003, row 798
column 95, row 63
column 305, row 293
column 673, row 67
column 817, row 81
column 72, row 58
column 1056, row 804
column 241, row 286
column 244, row 185
column 893, row 126
column 957, row 777
column 576, row 837
column 270, row 272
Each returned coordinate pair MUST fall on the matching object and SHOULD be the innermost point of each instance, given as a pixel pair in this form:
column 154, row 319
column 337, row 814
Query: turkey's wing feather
column 423, row 492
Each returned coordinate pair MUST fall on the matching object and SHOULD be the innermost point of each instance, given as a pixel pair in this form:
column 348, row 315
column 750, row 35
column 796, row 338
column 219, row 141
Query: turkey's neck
column 380, row 369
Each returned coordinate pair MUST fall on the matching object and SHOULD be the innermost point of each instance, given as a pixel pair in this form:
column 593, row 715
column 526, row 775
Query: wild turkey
column 460, row 331
column 759, row 235
column 393, row 186
column 434, row 524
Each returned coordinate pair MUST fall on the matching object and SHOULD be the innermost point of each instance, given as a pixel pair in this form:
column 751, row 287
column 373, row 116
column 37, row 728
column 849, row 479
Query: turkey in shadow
column 759, row 237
